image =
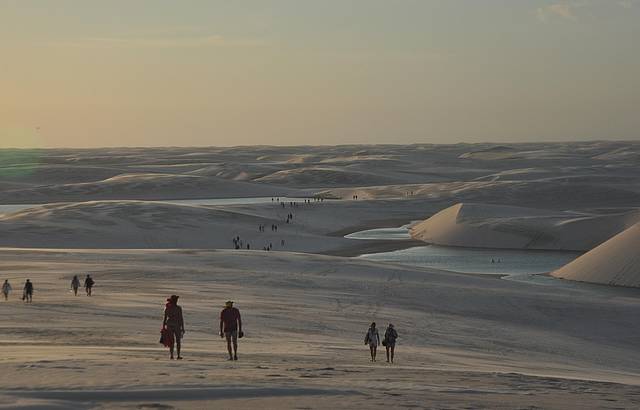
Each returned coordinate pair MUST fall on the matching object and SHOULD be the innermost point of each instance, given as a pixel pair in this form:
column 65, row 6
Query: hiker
column 173, row 325
column 27, row 292
column 6, row 289
column 75, row 284
column 389, row 341
column 231, row 328
column 372, row 338
column 88, row 285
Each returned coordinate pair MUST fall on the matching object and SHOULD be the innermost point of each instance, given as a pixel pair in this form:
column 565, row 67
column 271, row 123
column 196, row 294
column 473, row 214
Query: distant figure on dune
column 173, row 325
column 231, row 328
column 75, row 284
column 372, row 338
column 389, row 341
column 27, row 292
column 88, row 284
column 6, row 289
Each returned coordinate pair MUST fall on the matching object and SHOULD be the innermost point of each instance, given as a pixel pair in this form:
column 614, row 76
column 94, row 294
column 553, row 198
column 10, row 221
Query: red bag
column 166, row 337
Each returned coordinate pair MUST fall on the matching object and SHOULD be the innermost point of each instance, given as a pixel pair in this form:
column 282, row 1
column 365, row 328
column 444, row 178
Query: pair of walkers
column 27, row 291
column 173, row 327
column 372, row 338
column 88, row 284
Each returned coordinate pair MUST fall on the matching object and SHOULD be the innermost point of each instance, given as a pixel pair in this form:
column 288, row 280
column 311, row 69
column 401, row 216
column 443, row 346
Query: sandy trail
column 465, row 340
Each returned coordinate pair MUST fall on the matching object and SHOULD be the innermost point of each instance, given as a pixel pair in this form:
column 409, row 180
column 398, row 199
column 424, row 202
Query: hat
column 228, row 303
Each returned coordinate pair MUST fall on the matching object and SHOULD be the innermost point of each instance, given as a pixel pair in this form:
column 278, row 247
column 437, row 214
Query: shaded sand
column 499, row 226
column 147, row 186
column 465, row 341
column 316, row 227
column 615, row 262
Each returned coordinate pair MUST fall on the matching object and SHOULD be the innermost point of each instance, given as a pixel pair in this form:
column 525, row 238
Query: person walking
column 27, row 292
column 88, row 284
column 6, row 289
column 75, row 284
column 173, row 325
column 231, row 328
column 389, row 341
column 372, row 338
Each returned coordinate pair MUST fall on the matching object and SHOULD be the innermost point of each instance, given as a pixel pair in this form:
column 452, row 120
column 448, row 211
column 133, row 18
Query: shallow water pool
column 475, row 260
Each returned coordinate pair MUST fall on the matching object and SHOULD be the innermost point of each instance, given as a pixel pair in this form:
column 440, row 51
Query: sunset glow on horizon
column 285, row 72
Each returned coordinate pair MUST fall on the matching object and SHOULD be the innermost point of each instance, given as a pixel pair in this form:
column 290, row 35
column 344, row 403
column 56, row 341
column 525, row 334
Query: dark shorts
column 177, row 334
column 231, row 335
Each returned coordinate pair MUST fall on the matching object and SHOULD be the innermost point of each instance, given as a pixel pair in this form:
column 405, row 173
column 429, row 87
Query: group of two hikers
column 88, row 284
column 173, row 327
column 372, row 338
column 27, row 291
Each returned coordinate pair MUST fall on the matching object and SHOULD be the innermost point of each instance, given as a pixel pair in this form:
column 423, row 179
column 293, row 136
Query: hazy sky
column 288, row 72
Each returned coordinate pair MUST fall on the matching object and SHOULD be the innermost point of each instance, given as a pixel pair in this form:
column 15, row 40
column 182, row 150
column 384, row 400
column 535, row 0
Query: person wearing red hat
column 173, row 323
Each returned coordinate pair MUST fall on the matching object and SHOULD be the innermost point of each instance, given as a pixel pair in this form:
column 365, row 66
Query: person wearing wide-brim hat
column 231, row 328
column 174, row 324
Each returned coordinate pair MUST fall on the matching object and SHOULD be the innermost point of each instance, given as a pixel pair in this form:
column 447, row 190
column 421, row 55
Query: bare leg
column 235, row 349
column 371, row 348
column 228, row 336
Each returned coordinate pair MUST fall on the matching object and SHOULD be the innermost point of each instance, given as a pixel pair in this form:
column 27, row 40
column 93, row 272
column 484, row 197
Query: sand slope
column 142, row 224
column 615, row 262
column 499, row 226
column 144, row 186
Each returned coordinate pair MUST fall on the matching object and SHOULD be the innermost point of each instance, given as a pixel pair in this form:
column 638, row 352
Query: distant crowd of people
column 239, row 243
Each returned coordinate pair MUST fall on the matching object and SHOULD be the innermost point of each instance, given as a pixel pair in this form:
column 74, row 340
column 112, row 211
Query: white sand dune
column 498, row 226
column 542, row 193
column 620, row 154
column 615, row 262
column 144, row 186
column 236, row 171
column 45, row 174
column 140, row 224
column 323, row 176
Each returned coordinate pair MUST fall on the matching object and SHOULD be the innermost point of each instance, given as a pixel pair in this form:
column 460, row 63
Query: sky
column 91, row 73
